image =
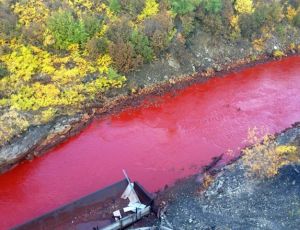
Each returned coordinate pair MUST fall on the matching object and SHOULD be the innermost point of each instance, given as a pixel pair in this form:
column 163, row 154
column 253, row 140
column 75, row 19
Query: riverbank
column 39, row 139
column 72, row 81
column 233, row 200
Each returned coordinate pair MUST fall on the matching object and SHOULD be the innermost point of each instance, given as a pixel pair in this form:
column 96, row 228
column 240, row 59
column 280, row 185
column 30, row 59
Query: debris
column 129, row 193
column 164, row 219
column 134, row 205
column 165, row 228
column 117, row 215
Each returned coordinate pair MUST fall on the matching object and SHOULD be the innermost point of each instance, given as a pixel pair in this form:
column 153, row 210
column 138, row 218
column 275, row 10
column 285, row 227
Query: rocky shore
column 233, row 200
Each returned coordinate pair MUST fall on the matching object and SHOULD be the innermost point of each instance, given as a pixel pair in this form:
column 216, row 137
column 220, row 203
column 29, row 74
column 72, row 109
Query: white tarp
column 134, row 201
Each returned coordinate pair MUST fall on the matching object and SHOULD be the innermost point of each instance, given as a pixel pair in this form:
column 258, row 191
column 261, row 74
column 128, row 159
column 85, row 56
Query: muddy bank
column 38, row 140
column 233, row 200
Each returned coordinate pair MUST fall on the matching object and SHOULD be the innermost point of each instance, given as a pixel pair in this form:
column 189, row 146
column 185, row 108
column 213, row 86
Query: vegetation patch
column 264, row 158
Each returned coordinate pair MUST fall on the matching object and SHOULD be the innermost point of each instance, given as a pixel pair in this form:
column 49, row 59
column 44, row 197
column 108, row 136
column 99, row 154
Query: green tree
column 296, row 20
column 184, row 6
column 91, row 25
column 212, row 6
column 115, row 5
column 113, row 74
column 3, row 70
column 141, row 45
column 66, row 29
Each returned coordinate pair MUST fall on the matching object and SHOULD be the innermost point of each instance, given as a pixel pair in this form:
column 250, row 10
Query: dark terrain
column 233, row 200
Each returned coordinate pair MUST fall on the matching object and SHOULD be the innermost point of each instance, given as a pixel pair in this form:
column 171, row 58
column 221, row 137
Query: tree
column 141, row 45
column 124, row 56
column 213, row 6
column 115, row 6
column 184, row 6
column 66, row 29
column 244, row 6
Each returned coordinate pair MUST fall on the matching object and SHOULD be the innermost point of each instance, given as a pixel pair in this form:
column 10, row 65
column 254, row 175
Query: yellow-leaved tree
column 151, row 8
column 244, row 6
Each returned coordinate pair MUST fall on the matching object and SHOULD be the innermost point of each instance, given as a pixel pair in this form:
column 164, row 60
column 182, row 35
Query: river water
column 157, row 143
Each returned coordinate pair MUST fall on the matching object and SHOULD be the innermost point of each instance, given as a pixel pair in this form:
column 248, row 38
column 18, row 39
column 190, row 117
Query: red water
column 167, row 140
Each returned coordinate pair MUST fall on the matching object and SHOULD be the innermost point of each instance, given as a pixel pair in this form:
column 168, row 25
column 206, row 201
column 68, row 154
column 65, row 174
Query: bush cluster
column 265, row 157
column 67, row 30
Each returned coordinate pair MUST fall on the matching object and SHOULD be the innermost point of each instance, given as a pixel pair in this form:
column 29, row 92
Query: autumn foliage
column 265, row 156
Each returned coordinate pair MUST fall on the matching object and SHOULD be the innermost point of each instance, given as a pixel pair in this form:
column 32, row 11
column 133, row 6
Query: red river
column 157, row 144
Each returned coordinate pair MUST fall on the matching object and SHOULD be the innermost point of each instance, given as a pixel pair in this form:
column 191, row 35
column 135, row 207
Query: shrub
column 281, row 30
column 35, row 97
column 8, row 23
column 216, row 16
column 91, row 24
column 66, row 29
column 244, row 6
column 162, row 22
column 124, row 56
column 22, row 63
column 265, row 15
column 3, row 70
column 104, row 62
column 12, row 123
column 230, row 20
column 264, row 159
column 273, row 12
column 278, row 53
column 133, row 7
column 159, row 41
column 151, row 8
column 227, row 10
column 212, row 23
column 235, row 27
column 258, row 44
column 250, row 24
column 115, row 6
column 296, row 20
column 113, row 74
column 96, row 46
column 212, row 6
column 30, row 11
column 188, row 23
column 184, row 6
column 33, row 33
column 119, row 30
column 291, row 13
column 141, row 45
column 47, row 115
column 160, row 31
